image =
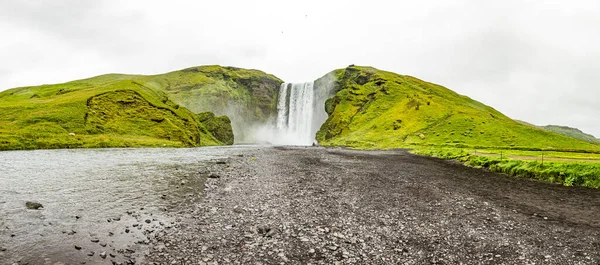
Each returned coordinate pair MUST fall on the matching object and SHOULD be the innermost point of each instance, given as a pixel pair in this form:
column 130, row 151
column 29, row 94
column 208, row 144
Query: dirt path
column 333, row 206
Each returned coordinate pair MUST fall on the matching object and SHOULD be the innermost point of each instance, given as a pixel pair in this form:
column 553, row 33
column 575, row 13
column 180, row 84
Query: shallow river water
column 100, row 200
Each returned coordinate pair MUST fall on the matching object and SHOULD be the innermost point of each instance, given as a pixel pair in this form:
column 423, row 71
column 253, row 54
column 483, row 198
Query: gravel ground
column 334, row 206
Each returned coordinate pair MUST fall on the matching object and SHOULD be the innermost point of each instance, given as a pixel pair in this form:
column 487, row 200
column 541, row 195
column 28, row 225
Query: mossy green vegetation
column 584, row 174
column 375, row 109
column 105, row 111
column 248, row 97
column 218, row 126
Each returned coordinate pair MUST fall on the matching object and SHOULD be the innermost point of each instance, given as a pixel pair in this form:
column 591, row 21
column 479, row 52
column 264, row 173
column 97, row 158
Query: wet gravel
column 334, row 206
column 295, row 205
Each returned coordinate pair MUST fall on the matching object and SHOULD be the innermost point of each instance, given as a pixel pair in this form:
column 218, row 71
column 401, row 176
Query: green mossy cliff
column 378, row 109
column 218, row 126
column 105, row 111
column 248, row 97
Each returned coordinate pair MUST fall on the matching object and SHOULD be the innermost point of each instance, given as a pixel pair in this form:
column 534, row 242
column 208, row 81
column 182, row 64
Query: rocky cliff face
column 247, row 97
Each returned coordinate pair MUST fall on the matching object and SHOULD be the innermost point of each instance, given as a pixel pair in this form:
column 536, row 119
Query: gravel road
column 291, row 205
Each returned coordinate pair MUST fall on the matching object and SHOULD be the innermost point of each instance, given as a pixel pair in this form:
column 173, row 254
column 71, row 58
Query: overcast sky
column 537, row 61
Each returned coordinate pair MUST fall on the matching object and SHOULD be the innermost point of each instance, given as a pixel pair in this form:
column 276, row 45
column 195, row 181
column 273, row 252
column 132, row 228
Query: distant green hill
column 572, row 132
column 379, row 109
column 565, row 130
column 106, row 111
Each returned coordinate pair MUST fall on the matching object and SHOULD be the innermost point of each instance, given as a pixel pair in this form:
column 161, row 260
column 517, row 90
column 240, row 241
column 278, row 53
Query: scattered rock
column 91, row 253
column 214, row 176
column 148, row 221
column 33, row 205
column 103, row 254
column 3, row 249
column 77, row 247
column 95, row 240
column 265, row 230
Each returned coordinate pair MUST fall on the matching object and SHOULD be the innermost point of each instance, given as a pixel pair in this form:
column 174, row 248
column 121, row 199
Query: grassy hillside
column 248, row 97
column 104, row 111
column 379, row 109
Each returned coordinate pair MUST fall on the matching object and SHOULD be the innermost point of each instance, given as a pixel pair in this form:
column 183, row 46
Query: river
column 113, row 196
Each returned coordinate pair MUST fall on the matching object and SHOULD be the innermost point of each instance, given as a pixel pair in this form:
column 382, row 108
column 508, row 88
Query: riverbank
column 99, row 205
column 334, row 206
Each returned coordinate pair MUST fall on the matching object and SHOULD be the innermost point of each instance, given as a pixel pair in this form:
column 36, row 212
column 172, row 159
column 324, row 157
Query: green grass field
column 551, row 169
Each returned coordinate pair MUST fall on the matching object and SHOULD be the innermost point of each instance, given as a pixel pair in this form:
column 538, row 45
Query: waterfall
column 295, row 111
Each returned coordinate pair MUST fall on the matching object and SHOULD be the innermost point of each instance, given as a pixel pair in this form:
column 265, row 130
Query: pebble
column 77, row 247
column 91, row 253
column 349, row 239
column 103, row 255
column 3, row 249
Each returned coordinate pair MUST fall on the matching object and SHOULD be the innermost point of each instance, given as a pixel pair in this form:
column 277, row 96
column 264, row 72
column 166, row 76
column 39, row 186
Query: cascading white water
column 295, row 111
